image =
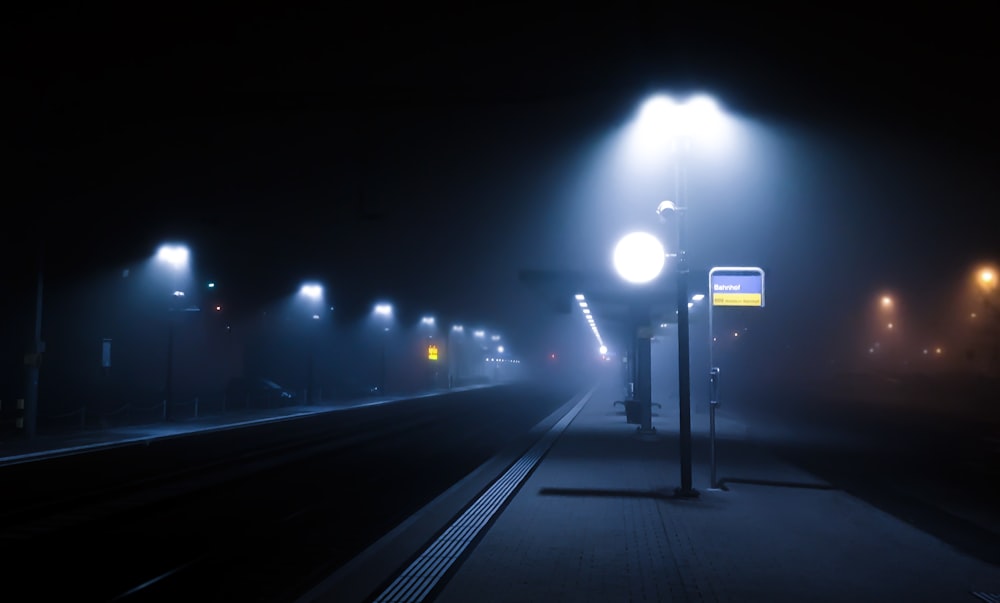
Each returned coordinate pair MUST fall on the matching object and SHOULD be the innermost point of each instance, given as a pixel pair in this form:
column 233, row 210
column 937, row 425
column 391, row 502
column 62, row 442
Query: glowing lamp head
column 175, row 256
column 639, row 257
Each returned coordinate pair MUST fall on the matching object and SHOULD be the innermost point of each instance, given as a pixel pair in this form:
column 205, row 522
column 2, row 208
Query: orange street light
column 987, row 278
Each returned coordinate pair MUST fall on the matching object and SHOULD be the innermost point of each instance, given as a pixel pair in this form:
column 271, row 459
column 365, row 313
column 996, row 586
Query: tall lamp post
column 678, row 123
column 383, row 311
column 987, row 279
column 176, row 259
column 312, row 293
column 664, row 210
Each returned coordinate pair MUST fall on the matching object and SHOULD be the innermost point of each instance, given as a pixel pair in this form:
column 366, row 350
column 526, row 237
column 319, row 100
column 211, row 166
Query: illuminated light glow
column 174, row 255
column 427, row 320
column 458, row 328
column 603, row 349
column 479, row 333
column 499, row 349
column 315, row 316
column 211, row 285
column 495, row 337
column 586, row 311
column 311, row 291
column 665, row 125
column 432, row 352
column 889, row 325
column 383, row 309
column 886, row 301
column 178, row 294
column 579, row 296
column 987, row 279
column 218, row 308
column 639, row 257
column 698, row 297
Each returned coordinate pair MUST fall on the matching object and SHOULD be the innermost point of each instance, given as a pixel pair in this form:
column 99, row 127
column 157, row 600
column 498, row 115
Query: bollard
column 713, row 403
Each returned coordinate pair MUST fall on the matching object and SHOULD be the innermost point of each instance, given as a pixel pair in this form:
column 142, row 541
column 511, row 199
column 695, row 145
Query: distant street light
column 175, row 258
column 384, row 312
column 987, row 279
column 312, row 294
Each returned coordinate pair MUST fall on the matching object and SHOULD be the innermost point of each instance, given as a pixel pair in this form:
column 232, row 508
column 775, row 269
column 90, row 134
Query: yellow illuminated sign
column 432, row 352
column 736, row 299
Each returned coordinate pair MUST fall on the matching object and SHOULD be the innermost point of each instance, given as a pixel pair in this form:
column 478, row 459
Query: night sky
column 427, row 152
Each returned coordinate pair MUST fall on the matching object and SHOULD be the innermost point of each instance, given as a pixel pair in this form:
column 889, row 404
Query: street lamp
column 176, row 258
column 384, row 312
column 666, row 119
column 639, row 257
column 664, row 210
column 312, row 294
column 986, row 279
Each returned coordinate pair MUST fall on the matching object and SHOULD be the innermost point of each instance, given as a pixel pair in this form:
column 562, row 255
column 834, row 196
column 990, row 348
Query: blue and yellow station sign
column 736, row 286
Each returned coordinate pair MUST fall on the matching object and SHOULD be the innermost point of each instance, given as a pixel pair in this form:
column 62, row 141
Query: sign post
column 733, row 286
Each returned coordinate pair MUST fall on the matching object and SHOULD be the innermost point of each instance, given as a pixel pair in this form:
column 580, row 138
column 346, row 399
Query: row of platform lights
column 585, row 307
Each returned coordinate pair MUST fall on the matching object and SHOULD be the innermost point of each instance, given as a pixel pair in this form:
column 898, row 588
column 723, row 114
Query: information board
column 736, row 286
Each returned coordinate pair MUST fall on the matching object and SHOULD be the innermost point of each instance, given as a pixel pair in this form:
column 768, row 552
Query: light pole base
column 686, row 493
column 645, row 433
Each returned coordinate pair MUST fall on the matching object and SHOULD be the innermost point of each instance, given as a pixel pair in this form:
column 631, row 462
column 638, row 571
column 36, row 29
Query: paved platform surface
column 598, row 519
column 591, row 514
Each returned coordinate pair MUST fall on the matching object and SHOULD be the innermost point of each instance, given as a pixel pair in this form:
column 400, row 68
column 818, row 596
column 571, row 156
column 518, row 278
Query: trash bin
column 632, row 412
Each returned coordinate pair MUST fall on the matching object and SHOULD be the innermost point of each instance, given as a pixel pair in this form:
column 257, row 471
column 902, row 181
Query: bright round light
column 639, row 257
column 174, row 255
column 311, row 291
